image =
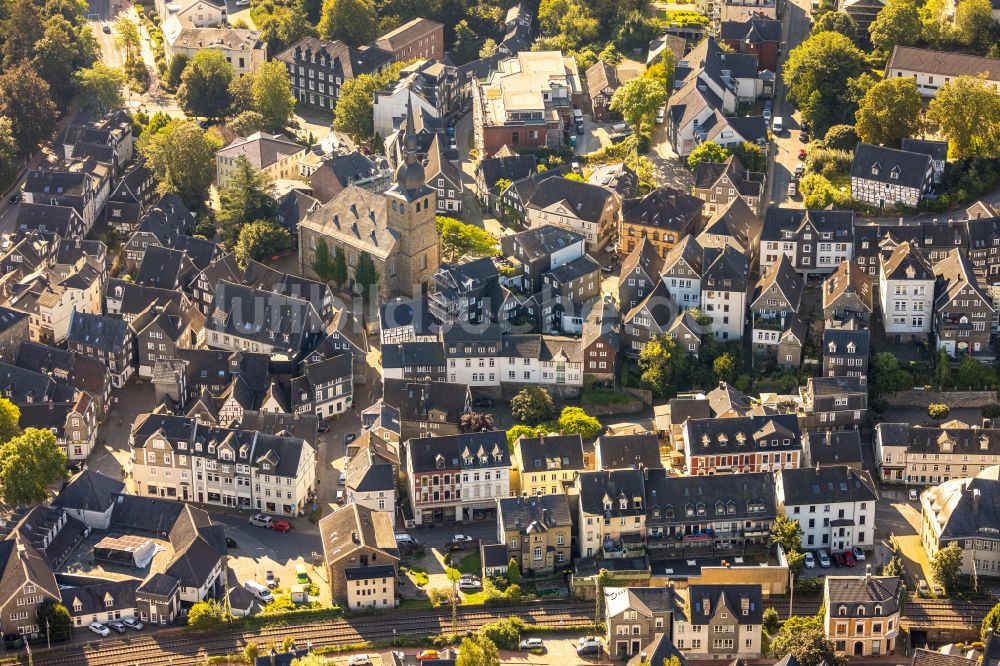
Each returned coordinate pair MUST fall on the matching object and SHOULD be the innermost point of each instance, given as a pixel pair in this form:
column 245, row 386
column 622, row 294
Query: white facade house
column 906, row 293
column 724, row 622
column 933, row 69
column 242, row 48
column 964, row 511
column 515, row 359
column 834, row 506
column 724, row 292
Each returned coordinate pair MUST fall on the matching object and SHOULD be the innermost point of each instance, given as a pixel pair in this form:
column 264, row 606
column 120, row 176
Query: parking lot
column 557, row 650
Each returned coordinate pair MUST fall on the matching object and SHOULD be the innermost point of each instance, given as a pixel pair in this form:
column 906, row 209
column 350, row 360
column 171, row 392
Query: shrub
column 504, row 633
column 937, row 411
column 828, row 161
column 991, row 410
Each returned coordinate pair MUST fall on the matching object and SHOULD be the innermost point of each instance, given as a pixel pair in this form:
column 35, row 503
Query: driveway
column 668, row 167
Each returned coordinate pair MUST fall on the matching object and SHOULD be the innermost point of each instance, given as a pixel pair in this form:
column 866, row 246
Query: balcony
column 628, row 545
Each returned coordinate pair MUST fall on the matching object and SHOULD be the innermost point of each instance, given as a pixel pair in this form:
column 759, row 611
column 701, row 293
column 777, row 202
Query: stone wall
column 954, row 399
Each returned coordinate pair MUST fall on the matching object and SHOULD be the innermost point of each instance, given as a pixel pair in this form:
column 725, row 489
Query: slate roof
column 664, row 208
column 628, row 451
column 938, row 150
column 754, row 30
column 616, row 176
column 922, row 657
column 725, row 270
column 93, row 598
column 367, row 472
column 689, row 250
column 838, row 223
column 782, row 274
column 415, row 399
column 957, row 278
column 541, row 241
column 827, row 484
column 25, row 386
column 945, row 63
column 162, row 267
column 659, row 651
column 743, row 601
column 895, row 167
column 509, row 167
column 89, row 490
column 616, row 485
column 602, row 320
column 682, row 409
column 413, row 354
column 158, row 585
column 101, row 332
column 352, row 61
column 356, row 217
column 586, row 201
column 8, row 317
column 423, row 452
column 848, row 278
column 494, row 555
column 905, row 257
column 721, row 497
column 747, row 183
column 353, row 526
column 657, row 304
column 646, row 600
column 528, row 514
column 867, row 591
column 725, row 397
column 720, row 436
column 49, row 219
column 563, row 452
column 834, row 447
column 406, row 33
column 283, row 322
column 953, row 505
column 413, row 312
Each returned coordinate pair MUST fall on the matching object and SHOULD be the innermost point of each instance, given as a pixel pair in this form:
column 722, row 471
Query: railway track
column 190, row 649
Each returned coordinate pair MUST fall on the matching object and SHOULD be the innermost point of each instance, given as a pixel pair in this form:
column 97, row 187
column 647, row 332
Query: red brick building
column 757, row 35
column 419, row 38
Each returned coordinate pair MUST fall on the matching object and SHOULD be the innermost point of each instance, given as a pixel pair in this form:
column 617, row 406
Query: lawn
column 417, row 574
column 477, row 599
column 415, row 603
column 471, row 564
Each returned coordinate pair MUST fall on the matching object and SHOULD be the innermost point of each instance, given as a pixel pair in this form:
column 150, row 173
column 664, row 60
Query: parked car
column 350, row 437
column 777, row 126
column 922, row 587
column 588, row 645
column 824, row 559
column 793, row 189
column 767, row 112
column 342, row 479
column 427, row 655
column 13, row 641
column 99, row 629
column 838, row 559
column 106, row 27
column 859, row 554
column 809, row 561
column 938, row 590
column 281, row 526
column 532, row 644
column 359, row 660
column 800, row 169
column 913, row 495
column 117, row 626
column 849, row 558
column 259, row 591
column 485, row 403
column 270, row 579
column 340, row 496
column 260, row 520
column 403, row 537
column 461, row 538
column 468, row 582
column 132, row 623
column 661, row 115
column 323, row 428
column 301, row 575
column 14, row 198
column 802, row 153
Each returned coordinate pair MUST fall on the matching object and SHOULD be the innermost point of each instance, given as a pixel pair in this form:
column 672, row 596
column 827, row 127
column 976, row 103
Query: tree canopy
column 204, row 89
column 272, row 98
column 967, row 111
column 260, row 240
column 709, row 151
column 29, row 463
column 459, row 239
column 898, row 23
column 365, row 275
column 974, row 24
column 206, row 614
column 532, row 405
column 10, row 417
column 354, row 106
column 182, row 156
column 478, row 650
column 639, row 100
column 102, row 85
column 245, row 199
column 887, row 376
column 817, row 73
column 889, row 112
column 841, row 22
column 354, row 22
column 946, row 567
column 26, row 99
column 804, row 638
column 575, row 421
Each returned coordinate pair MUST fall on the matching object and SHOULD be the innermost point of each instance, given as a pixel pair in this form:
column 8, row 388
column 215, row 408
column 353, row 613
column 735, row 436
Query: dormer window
column 878, row 610
column 851, row 348
column 842, row 611
column 894, row 174
column 861, row 610
column 607, row 505
column 623, row 504
column 875, row 169
column 77, row 606
column 833, row 347
column 266, row 467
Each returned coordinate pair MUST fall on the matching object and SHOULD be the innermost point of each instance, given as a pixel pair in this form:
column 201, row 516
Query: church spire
column 410, row 176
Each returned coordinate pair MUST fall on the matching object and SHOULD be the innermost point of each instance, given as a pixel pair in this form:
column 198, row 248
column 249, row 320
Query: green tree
column 967, row 111
column 311, row 659
column 204, row 89
column 354, row 22
column 946, row 567
column 841, row 137
column 489, row 48
column 459, row 239
column 354, row 106
column 127, row 37
column 102, row 85
column 339, row 267
column 575, row 421
column 56, row 56
column 724, row 367
column 365, row 275
column 251, row 651
column 804, row 638
column 20, row 31
column 936, row 27
column 8, row 148
column 26, row 99
column 271, row 96
column 175, row 70
column 478, row 651
column 974, row 23
column 663, row 70
column 10, row 417
column 532, row 405
column 817, row 72
column 206, row 614
column 751, row 156
column 889, row 112
column 942, row 368
column 887, row 376
column 991, row 623
column 465, row 47
column 54, row 621
column 322, row 263
column 248, row 122
column 245, row 198
column 898, row 23
column 569, row 24
column 182, row 156
column 771, row 620
column 841, row 22
column 894, row 567
column 787, row 533
column 513, row 572
column 521, row 430
column 638, row 101
column 241, row 92
column 665, row 366
column 260, row 240
column 29, row 463
column 973, row 374
column 709, row 151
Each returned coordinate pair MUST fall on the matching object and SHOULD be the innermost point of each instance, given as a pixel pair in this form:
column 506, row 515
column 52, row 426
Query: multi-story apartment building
column 845, row 351
column 242, row 48
column 724, row 285
column 537, row 530
column 816, row 241
column 85, row 187
column 650, row 318
column 73, row 422
column 777, row 332
column 590, row 210
column 465, row 292
column 540, row 250
column 612, row 513
column 371, row 481
column 833, row 403
column 317, row 68
column 921, row 455
column 30, row 583
column 177, row 457
column 427, row 408
column 601, row 341
column 756, row 34
column 324, row 388
column 481, row 356
column 273, row 154
column 414, row 361
column 417, row 38
column 526, row 101
column 932, row 69
column 741, row 444
column 883, row 176
column 457, row 477
column 681, row 273
column 663, row 217
column 361, row 557
column 963, row 310
column 833, row 504
column 635, row 616
column 736, row 226
column 848, row 294
column 545, row 465
column 722, row 622
column 829, row 447
column 964, row 511
column 719, row 183
column 640, row 272
column 430, row 88
column 861, row 614
column 109, row 339
column 906, row 293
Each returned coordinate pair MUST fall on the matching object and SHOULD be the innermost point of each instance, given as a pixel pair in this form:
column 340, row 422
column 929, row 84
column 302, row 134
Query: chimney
column 817, row 467
column 642, row 657
column 976, row 497
column 868, row 573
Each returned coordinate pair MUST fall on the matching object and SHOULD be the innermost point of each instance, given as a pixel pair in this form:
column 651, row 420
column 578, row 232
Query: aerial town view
column 482, row 332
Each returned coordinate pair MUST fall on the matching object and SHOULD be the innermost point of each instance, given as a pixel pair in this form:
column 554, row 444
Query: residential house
column 74, row 423
column 681, row 272
column 651, row 318
column 848, row 294
column 832, row 447
column 463, row 292
column 539, row 250
column 756, row 35
column 537, row 531
column 719, row 183
column 727, row 402
column 601, row 341
column 816, row 241
column 833, row 403
column 906, row 293
column 242, row 48
column 193, row 13
column 501, row 169
column 425, row 89
column 427, row 409
column 724, row 285
column 635, row 616
column 325, row 388
column 361, row 556
column 722, row 622
column 30, row 582
column 418, row 38
column 774, row 309
column 883, row 176
column 13, row 332
column 861, row 614
column 371, row 481
column 833, row 504
column 545, row 465
column 964, row 511
column 457, row 477
column 845, row 351
column 612, row 512
column 131, row 194
column 414, row 361
column 932, row 69
column 273, row 154
column 317, row 68
column 664, row 217
column 407, row 320
column 736, row 226
column 963, row 310
column 513, row 200
column 162, row 225
column 107, row 339
column 937, row 150
column 638, row 451
column 591, row 210
column 741, row 444
column 50, row 219
column 927, row 455
column 84, row 187
column 526, row 101
column 688, row 332
column 603, row 80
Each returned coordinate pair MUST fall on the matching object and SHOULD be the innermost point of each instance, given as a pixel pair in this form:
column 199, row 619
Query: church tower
column 411, row 208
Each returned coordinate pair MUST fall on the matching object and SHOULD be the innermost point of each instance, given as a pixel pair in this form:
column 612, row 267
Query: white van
column 776, row 126
column 259, row 591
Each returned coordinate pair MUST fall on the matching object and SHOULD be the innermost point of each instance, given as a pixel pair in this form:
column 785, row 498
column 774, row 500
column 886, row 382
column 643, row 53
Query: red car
column 849, row 558
column 281, row 526
column 427, row 655
column 838, row 559
column 802, row 153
